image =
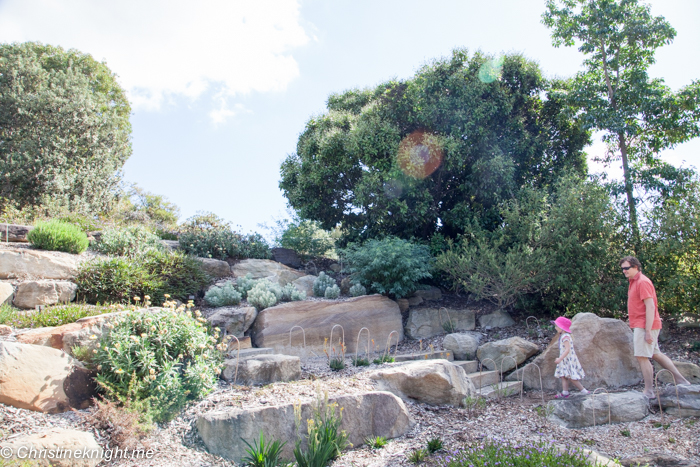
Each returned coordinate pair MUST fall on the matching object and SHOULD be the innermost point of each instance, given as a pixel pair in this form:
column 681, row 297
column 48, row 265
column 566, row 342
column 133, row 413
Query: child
column 568, row 366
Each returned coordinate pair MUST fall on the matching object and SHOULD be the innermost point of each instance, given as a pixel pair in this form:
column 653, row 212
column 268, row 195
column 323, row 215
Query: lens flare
column 420, row 154
column 490, row 71
column 393, row 189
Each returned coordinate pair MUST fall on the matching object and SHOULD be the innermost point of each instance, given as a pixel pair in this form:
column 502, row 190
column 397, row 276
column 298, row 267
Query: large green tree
column 640, row 115
column 64, row 128
column 425, row 155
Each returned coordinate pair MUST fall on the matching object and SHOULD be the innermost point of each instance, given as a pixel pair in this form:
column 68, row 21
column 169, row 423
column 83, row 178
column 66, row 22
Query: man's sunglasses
column 627, row 268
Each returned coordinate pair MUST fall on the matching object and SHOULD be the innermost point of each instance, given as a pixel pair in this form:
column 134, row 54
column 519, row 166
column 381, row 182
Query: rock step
column 503, row 389
column 251, row 352
column 469, row 366
column 483, row 379
column 443, row 354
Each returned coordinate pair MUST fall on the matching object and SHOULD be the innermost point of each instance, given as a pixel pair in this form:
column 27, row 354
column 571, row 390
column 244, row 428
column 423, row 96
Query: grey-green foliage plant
column 244, row 284
column 291, row 294
column 357, row 290
column 321, row 283
column 55, row 235
column 128, row 241
column 332, row 292
column 226, row 295
column 264, row 294
column 64, row 128
column 390, row 266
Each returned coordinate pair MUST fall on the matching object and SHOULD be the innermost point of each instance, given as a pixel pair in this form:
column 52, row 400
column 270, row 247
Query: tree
column 417, row 157
column 640, row 115
column 64, row 128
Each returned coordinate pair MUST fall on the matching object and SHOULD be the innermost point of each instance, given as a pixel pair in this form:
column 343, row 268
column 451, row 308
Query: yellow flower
column 119, row 371
column 93, row 337
column 152, row 371
column 137, row 299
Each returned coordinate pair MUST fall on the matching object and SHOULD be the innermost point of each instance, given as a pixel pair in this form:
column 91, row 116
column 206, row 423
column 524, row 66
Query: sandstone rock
column 14, row 232
column 265, row 268
column 7, row 293
column 686, row 404
column 305, row 284
column 235, row 321
column 5, row 330
column 172, row 245
column 42, row 379
column 462, row 345
column 44, row 292
column 335, row 267
column 286, row 256
column 215, row 267
column 690, row 371
column 604, row 348
column 64, row 443
column 434, row 382
column 657, row 459
column 429, row 322
column 37, row 264
column 345, row 285
column 578, row 411
column 497, row 319
column 379, row 314
column 364, row 415
column 263, row 369
column 504, row 354
column 415, row 301
column 431, row 293
column 403, row 304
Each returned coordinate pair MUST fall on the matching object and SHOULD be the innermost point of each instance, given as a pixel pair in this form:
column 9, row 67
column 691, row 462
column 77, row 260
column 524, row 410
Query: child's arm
column 567, row 349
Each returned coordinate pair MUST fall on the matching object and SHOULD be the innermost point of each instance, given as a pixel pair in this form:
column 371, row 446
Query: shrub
column 376, row 442
column 264, row 294
column 178, row 275
column 307, row 238
column 56, row 315
column 262, row 454
column 55, row 235
column 208, row 236
column 332, row 292
column 227, row 295
column 165, row 358
column 127, row 422
column 390, row 266
column 128, row 241
column 292, row 294
column 244, row 284
column 417, row 456
column 321, row 283
column 325, row 441
column 434, row 445
column 357, row 290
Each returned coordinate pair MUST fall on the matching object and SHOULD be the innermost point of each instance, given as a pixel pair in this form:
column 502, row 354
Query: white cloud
column 161, row 48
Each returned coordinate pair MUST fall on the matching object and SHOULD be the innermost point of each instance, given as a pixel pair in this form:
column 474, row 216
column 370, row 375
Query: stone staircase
column 487, row 382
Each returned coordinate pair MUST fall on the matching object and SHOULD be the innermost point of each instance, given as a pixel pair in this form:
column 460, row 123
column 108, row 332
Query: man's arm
column 650, row 312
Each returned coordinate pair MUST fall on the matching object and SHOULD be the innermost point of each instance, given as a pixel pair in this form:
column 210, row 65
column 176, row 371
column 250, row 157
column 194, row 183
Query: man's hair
column 634, row 262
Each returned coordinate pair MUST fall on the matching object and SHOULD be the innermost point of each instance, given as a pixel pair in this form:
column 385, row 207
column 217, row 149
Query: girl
column 568, row 366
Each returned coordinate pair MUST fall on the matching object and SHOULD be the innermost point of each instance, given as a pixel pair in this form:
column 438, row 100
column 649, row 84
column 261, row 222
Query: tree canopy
column 64, row 128
column 429, row 154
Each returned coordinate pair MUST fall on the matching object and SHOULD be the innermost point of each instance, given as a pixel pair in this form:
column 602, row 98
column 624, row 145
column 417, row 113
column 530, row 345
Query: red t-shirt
column 641, row 288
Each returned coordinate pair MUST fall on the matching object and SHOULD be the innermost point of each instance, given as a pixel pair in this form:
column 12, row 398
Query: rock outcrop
column 60, row 445
column 37, row 264
column 263, row 369
column 7, row 293
column 428, row 322
column 503, row 355
column 497, row 319
column 265, row 268
column 214, row 267
column 14, row 233
column 686, row 403
column 578, row 411
column 233, row 321
column 30, row 294
column 463, row 345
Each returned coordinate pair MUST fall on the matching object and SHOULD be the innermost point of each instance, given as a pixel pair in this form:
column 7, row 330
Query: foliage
column 434, row 445
column 376, row 442
column 127, row 241
column 417, row 456
column 226, row 295
column 640, row 116
column 291, row 294
column 264, row 294
column 305, row 237
column 56, row 315
column 359, row 361
column 332, row 292
column 484, row 140
column 357, row 290
column 325, row 440
column 55, row 235
column 208, row 236
column 337, row 363
column 321, row 283
column 262, row 454
column 390, row 266
column 498, row 452
column 168, row 356
column 474, row 404
column 383, row 359
column 64, row 129
column 148, row 209
column 244, row 284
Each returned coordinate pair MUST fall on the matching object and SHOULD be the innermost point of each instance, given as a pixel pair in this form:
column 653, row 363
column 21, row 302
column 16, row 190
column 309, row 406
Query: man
column 643, row 311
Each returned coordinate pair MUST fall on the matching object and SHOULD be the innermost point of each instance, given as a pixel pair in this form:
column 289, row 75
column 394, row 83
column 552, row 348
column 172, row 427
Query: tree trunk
column 629, row 189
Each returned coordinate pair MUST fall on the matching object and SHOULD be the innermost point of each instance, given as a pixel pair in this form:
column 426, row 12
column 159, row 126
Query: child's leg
column 578, row 385
column 564, row 385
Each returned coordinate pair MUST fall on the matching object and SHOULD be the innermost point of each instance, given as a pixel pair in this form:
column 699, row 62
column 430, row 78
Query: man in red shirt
column 643, row 311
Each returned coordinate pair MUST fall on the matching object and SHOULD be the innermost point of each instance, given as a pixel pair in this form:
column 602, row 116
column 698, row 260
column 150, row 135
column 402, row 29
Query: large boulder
column 434, row 382
column 7, row 293
column 428, row 322
column 379, row 314
column 603, row 346
column 685, row 403
column 690, row 371
column 429, row 293
column 506, row 354
column 265, row 268
column 305, row 284
column 286, row 256
column 42, row 379
column 463, row 345
column 497, row 319
column 62, row 448
column 215, row 267
column 263, row 369
column 14, row 232
column 37, row 264
column 233, row 321
column 44, row 292
column 363, row 415
column 578, row 411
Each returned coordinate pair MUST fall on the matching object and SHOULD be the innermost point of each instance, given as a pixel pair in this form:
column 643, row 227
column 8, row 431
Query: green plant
column 168, row 356
column 226, row 295
column 390, row 266
column 337, row 363
column 208, row 236
column 544, row 411
column 417, row 456
column 376, row 442
column 244, row 284
column 359, row 361
column 332, row 292
column 321, row 283
column 264, row 294
column 357, row 290
column 55, row 235
column 56, row 315
column 625, row 433
column 672, row 440
column 492, row 452
column 695, row 346
column 449, row 327
column 82, row 353
column 291, row 294
column 325, row 440
column 261, row 454
column 474, row 404
column 588, row 442
column 128, row 241
column 434, row 445
column 306, row 237
column 383, row 359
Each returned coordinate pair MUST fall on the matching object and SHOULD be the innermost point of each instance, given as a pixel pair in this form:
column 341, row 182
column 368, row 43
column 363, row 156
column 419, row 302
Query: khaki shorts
column 641, row 347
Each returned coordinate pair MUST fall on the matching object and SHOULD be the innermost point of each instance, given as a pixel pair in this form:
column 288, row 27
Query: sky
column 221, row 89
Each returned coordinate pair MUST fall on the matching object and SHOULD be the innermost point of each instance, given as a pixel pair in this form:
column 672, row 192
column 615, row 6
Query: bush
column 325, row 441
column 126, row 422
column 227, row 295
column 292, row 294
column 128, row 241
column 390, row 266
column 307, row 238
column 244, row 284
column 262, row 454
column 332, row 292
column 165, row 358
column 55, row 235
column 208, row 236
column 264, row 294
column 492, row 452
column 56, row 315
column 357, row 290
column 321, row 283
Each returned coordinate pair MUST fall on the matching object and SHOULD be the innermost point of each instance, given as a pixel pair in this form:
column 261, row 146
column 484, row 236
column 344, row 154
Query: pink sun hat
column 564, row 323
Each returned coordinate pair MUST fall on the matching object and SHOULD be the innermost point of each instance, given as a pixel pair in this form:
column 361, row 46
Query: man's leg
column 648, row 374
column 666, row 362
